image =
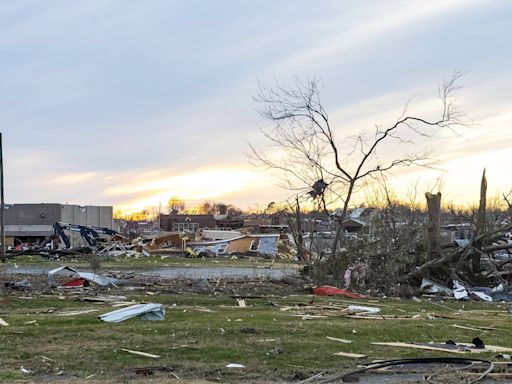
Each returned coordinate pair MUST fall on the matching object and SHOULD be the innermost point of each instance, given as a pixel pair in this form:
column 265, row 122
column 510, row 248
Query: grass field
column 203, row 333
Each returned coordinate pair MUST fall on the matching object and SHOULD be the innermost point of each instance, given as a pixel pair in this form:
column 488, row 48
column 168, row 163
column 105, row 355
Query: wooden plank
column 75, row 313
column 422, row 346
column 340, row 340
column 140, row 353
column 353, row 355
column 468, row 328
column 310, row 317
column 447, row 348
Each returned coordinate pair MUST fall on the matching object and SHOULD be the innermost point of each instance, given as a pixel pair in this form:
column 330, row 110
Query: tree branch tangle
column 305, row 147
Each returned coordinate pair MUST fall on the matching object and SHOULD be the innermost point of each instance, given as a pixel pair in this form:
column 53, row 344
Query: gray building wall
column 36, row 220
column 31, row 219
column 88, row 215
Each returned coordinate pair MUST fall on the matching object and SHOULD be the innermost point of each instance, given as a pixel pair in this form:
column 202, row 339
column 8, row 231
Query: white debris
column 360, row 308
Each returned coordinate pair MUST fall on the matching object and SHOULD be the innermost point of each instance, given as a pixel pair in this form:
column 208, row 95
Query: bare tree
column 507, row 197
column 175, row 205
column 309, row 153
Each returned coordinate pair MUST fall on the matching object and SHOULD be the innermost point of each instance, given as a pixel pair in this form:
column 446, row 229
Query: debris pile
column 461, row 292
column 109, row 243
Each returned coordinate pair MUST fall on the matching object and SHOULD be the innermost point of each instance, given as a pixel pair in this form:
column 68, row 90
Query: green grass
column 272, row 344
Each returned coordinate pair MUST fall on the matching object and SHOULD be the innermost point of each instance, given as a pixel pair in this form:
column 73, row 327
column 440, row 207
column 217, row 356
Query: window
column 185, row 227
column 222, row 248
column 255, row 244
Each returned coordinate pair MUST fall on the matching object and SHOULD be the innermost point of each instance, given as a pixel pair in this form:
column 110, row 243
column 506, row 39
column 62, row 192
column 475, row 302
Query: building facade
column 33, row 223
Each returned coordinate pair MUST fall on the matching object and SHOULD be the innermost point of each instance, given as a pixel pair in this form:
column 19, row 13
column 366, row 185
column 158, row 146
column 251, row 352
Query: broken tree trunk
column 479, row 226
column 445, row 260
column 433, row 224
column 299, row 240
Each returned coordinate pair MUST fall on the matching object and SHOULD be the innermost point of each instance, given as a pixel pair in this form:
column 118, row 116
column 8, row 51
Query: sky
column 128, row 103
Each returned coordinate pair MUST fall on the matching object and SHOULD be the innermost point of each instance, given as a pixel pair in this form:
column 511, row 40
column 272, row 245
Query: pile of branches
column 454, row 262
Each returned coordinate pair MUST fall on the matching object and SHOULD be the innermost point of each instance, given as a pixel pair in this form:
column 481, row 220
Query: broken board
column 461, row 348
column 347, row 354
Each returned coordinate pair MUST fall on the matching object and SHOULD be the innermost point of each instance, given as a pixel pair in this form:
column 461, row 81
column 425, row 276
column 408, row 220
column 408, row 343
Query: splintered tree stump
column 433, row 224
column 479, row 227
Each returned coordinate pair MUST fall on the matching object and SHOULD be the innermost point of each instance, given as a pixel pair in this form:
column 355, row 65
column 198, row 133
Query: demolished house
column 261, row 244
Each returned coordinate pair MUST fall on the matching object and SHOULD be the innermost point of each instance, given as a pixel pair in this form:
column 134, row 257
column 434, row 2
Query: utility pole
column 2, row 203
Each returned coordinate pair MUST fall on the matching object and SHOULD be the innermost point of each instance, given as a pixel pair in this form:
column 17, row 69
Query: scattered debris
column 234, row 365
column 89, row 276
column 350, row 376
column 241, row 303
column 21, row 285
column 3, row 322
column 148, row 311
column 430, row 287
column 202, row 284
column 149, row 371
column 460, row 292
column 450, row 346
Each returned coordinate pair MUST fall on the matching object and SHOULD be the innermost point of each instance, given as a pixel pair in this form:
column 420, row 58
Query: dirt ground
column 219, row 286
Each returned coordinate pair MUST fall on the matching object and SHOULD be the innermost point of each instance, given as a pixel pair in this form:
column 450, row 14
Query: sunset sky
column 128, row 103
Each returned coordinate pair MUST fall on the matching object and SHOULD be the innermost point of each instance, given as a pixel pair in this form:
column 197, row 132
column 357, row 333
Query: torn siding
column 268, row 245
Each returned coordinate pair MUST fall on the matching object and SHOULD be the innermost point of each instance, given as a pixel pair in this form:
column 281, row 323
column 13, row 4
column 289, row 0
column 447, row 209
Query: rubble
column 84, row 276
column 431, row 287
column 20, row 285
column 460, row 292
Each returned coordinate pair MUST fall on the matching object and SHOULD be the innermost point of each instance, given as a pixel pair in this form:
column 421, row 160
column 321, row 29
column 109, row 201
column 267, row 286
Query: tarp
column 148, row 311
column 332, row 291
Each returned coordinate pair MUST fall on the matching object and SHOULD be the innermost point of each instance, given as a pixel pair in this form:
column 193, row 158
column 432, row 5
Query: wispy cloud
column 125, row 103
